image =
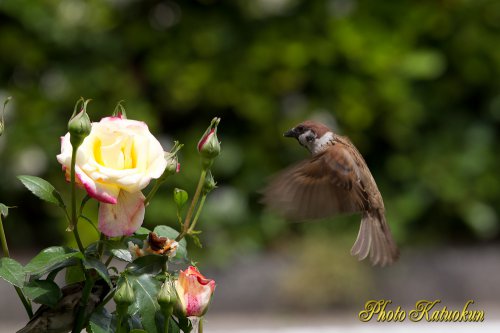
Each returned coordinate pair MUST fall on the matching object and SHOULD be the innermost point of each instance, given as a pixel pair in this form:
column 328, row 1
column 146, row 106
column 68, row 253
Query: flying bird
column 334, row 180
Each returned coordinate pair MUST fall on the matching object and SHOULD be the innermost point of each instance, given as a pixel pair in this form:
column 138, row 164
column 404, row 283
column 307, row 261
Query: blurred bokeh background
column 414, row 84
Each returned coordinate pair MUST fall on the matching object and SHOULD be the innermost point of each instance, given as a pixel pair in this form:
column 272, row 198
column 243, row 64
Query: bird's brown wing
column 325, row 185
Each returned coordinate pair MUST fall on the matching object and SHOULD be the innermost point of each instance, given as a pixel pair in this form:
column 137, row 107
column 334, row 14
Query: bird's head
column 312, row 135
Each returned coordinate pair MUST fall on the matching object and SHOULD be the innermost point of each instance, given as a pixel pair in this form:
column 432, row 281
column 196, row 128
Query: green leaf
column 165, row 231
column 180, row 198
column 142, row 231
column 138, row 331
column 101, row 321
column 101, row 269
column 196, row 240
column 185, row 324
column 91, row 249
column 122, row 254
column 52, row 258
column 160, row 323
column 149, row 264
column 146, row 288
column 119, row 249
column 4, row 210
column 42, row 189
column 43, row 292
column 12, row 272
column 74, row 274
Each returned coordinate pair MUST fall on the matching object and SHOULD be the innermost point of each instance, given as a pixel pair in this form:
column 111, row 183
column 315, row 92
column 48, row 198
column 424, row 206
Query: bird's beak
column 291, row 133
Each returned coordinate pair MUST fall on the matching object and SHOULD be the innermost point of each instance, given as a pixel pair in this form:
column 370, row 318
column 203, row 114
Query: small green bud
column 124, row 296
column 180, row 197
column 209, row 145
column 167, row 297
column 173, row 165
column 209, row 184
column 79, row 125
column 120, row 111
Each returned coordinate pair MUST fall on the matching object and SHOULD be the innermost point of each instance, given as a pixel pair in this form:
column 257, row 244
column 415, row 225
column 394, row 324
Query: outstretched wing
column 329, row 183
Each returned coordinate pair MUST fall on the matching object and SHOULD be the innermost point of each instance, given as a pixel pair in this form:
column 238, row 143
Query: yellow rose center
column 118, row 155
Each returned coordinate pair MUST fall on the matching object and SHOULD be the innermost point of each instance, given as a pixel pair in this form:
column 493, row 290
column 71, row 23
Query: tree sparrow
column 334, row 180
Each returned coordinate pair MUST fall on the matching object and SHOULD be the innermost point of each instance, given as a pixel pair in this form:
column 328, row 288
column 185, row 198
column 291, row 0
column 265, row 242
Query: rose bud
column 167, row 297
column 180, row 198
column 172, row 162
column 124, row 296
column 79, row 125
column 173, row 165
column 194, row 292
column 209, row 184
column 209, row 145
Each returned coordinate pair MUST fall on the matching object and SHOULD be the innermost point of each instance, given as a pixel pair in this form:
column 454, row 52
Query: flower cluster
column 113, row 161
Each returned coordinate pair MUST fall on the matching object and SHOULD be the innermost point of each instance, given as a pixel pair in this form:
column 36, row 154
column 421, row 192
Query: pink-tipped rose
column 114, row 163
column 194, row 292
column 209, row 145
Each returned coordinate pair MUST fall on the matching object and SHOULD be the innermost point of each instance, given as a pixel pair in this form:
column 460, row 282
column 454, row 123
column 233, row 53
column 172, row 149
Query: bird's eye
column 300, row 128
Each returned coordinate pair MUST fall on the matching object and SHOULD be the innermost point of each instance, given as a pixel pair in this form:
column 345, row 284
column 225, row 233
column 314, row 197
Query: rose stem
column 74, row 219
column 5, row 248
column 200, row 207
column 193, row 205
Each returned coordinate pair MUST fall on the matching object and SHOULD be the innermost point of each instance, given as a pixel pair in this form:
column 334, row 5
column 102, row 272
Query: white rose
column 114, row 163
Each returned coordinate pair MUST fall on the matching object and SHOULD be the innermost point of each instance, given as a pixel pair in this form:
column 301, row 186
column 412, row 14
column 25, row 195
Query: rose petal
column 124, row 217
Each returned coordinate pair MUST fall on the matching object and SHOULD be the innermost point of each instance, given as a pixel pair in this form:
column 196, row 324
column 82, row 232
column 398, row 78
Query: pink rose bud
column 209, row 146
column 194, row 292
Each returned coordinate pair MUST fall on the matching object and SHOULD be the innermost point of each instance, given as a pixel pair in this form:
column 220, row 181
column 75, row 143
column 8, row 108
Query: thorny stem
column 80, row 318
column 26, row 303
column 151, row 193
column 119, row 324
column 100, row 245
column 5, row 248
column 110, row 258
column 74, row 218
column 190, row 212
column 167, row 315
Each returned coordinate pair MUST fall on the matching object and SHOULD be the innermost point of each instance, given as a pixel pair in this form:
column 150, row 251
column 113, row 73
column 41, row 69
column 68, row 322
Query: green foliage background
column 415, row 85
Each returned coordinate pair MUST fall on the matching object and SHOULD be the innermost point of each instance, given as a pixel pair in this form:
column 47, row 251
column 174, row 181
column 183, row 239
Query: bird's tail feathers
column 375, row 239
